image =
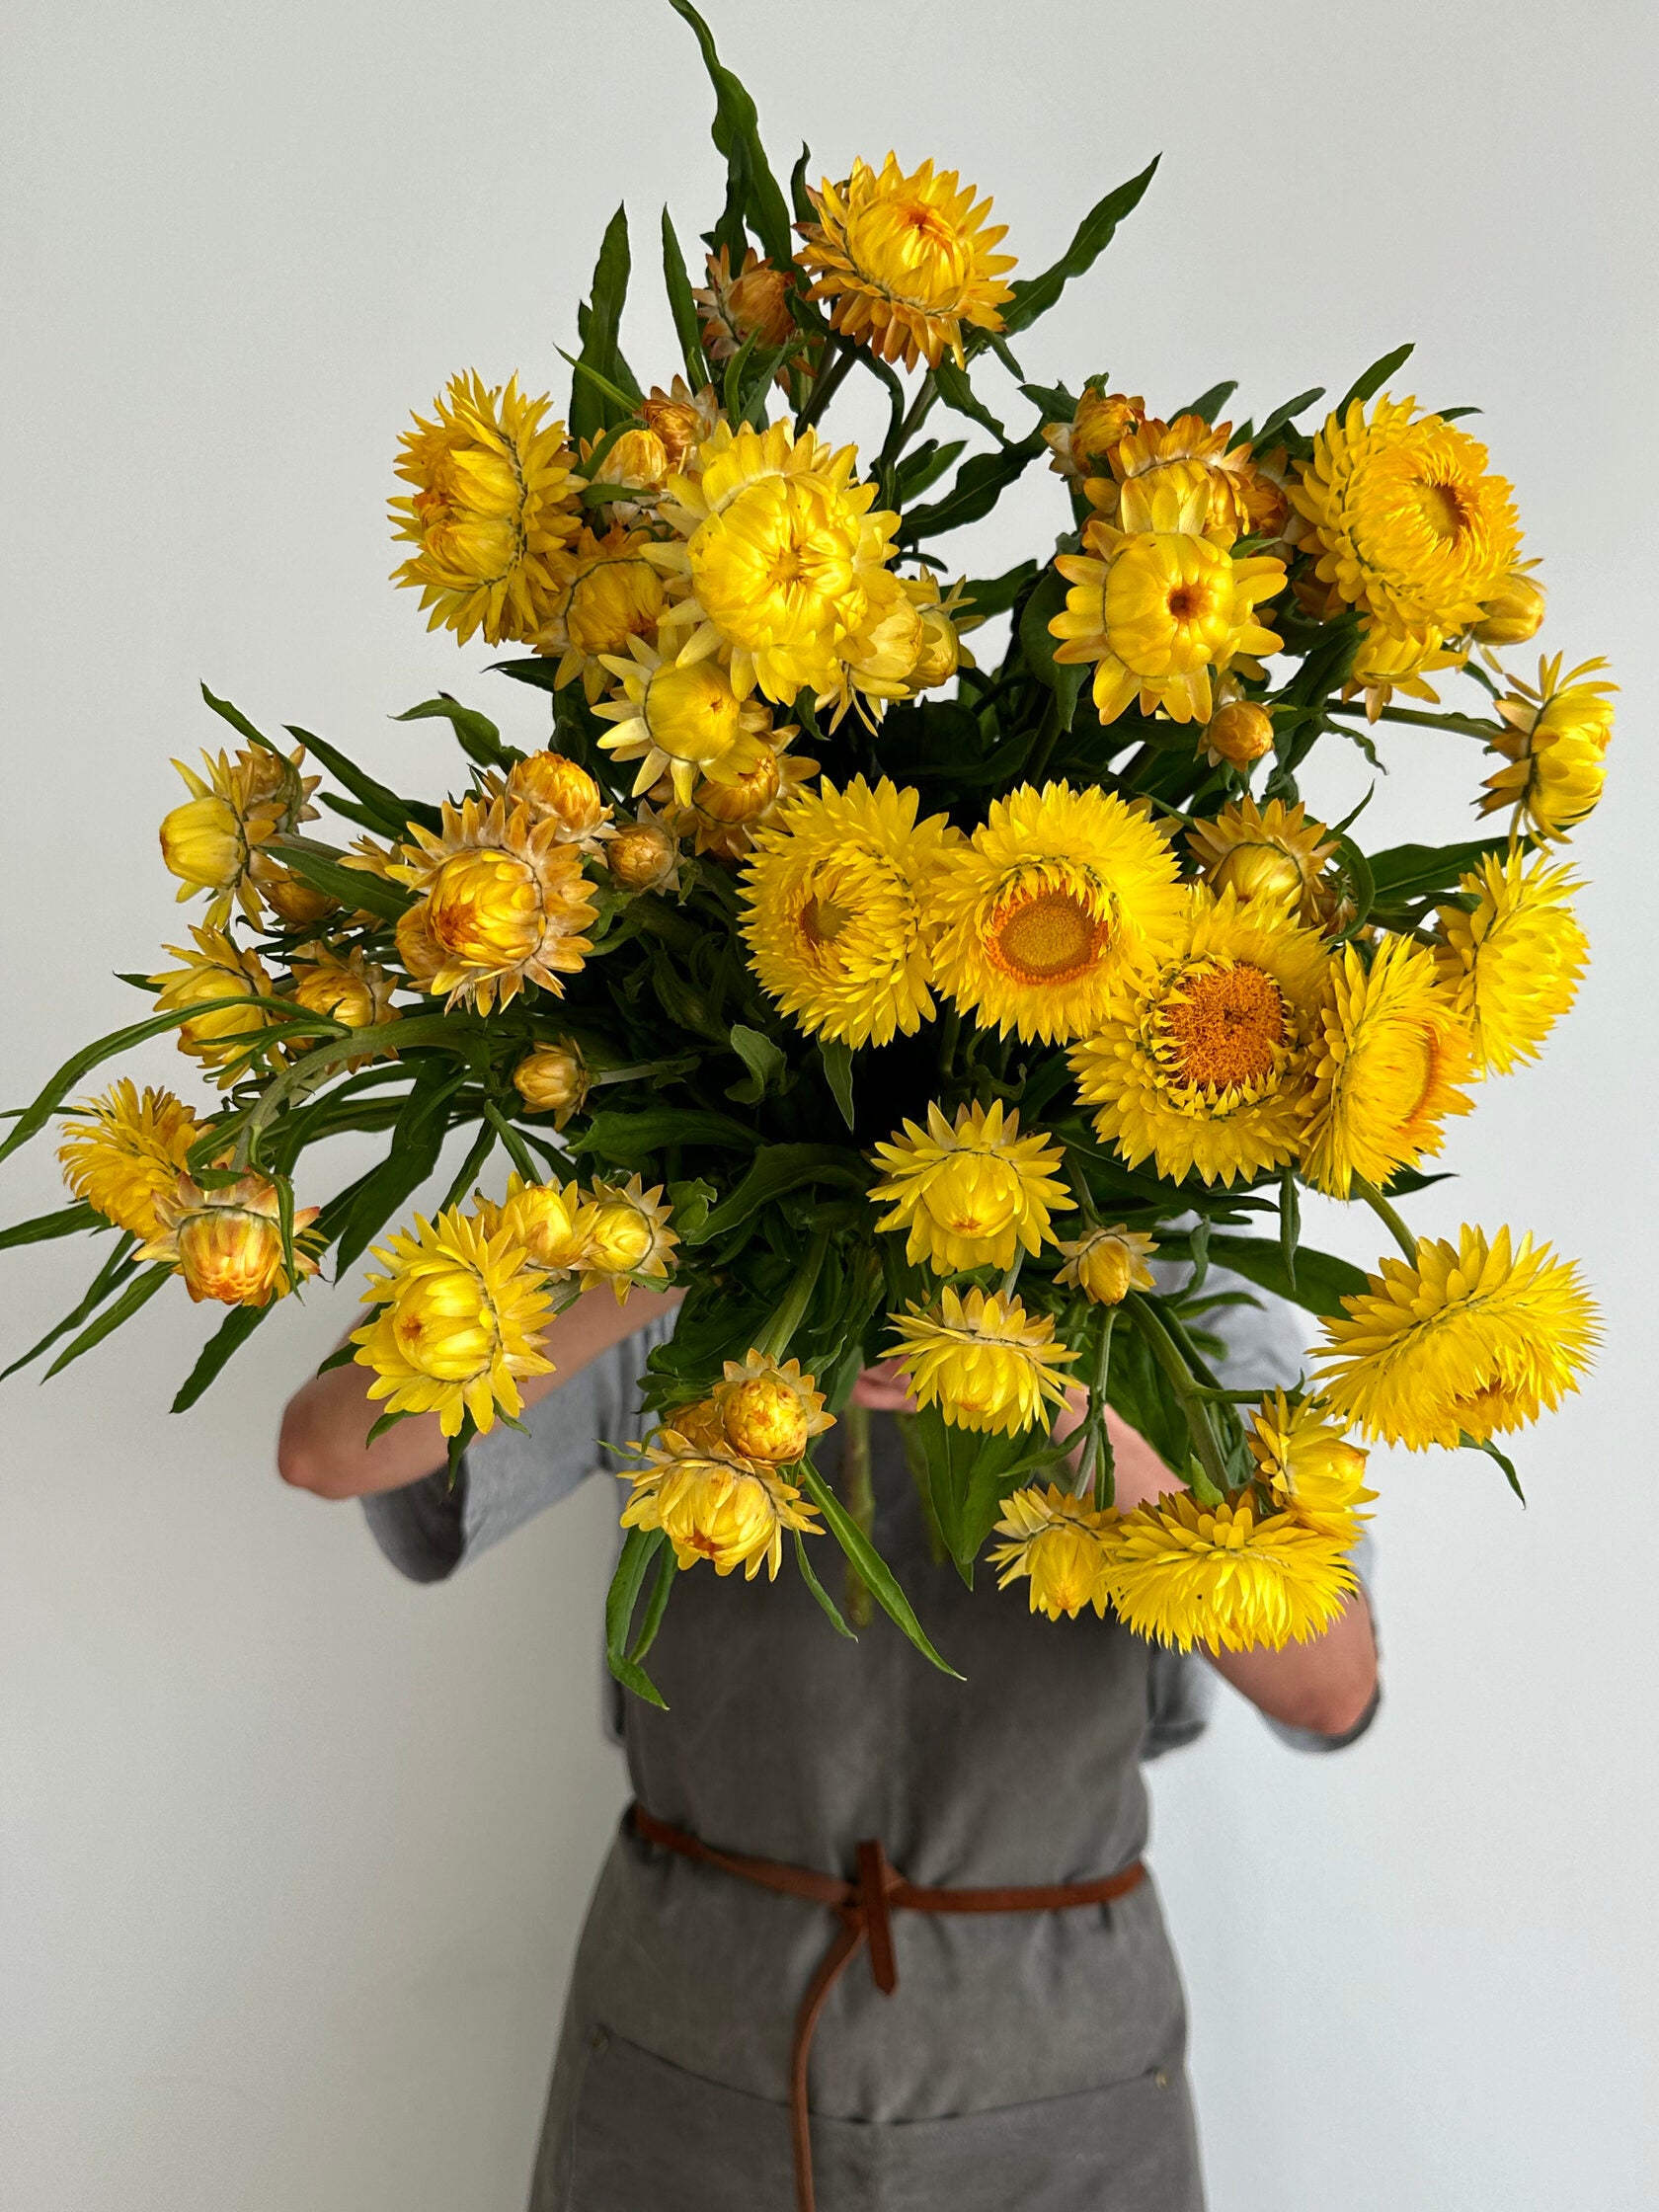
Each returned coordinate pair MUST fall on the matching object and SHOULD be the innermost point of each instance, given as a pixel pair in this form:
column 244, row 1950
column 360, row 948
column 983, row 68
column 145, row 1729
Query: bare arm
column 322, row 1443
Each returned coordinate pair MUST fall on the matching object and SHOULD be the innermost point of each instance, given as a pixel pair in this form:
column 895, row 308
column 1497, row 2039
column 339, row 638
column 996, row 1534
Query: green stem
column 1387, row 1215
column 1210, row 1483
column 950, row 1029
column 1460, row 722
column 666, row 923
column 774, row 1340
column 1100, row 1443
column 1085, row 1197
column 927, row 391
column 832, row 373
column 1048, row 737
column 859, row 1496
column 516, row 1149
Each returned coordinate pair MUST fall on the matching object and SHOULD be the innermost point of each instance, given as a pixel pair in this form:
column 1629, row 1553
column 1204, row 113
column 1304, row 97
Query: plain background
column 292, row 1855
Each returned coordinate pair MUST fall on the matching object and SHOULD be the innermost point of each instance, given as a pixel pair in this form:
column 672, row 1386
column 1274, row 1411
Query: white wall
column 291, row 1857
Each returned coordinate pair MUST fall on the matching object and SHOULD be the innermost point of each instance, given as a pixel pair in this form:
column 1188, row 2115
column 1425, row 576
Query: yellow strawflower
column 981, row 1361
column 122, row 1153
column 836, row 891
column 625, row 1238
column 503, row 904
column 1106, row 1264
column 294, row 901
column 1388, row 663
column 1391, row 1065
column 905, row 261
column 352, row 990
column 1408, row 523
column 604, row 591
column 1056, row 892
column 213, row 842
column 677, row 716
column 1060, row 1544
column 1082, row 447
column 493, row 503
column 461, row 1308
column 769, row 1411
column 1513, row 963
column 1515, row 613
column 1160, row 603
column 1202, row 1060
column 553, row 1079
column 644, row 854
column 1309, row 1466
column 1272, row 853
column 970, row 1194
column 682, row 418
column 1555, row 744
column 1184, row 1574
column 545, row 1219
column 1478, row 1338
column 731, row 1512
column 753, row 303
column 228, row 1244
column 756, row 781
column 1241, row 502
column 552, row 787
column 1240, row 733
column 218, row 968
column 943, row 618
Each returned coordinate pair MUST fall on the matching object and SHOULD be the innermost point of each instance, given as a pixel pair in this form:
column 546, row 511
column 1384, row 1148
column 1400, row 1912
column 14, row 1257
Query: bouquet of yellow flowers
column 887, row 1002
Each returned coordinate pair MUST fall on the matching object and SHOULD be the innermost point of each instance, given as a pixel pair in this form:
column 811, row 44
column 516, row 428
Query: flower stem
column 1462, row 724
column 774, row 1340
column 1209, row 1477
column 859, row 1494
column 832, row 371
column 1387, row 1215
column 1098, row 1451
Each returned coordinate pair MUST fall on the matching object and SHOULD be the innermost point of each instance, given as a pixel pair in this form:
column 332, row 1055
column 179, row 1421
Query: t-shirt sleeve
column 429, row 1528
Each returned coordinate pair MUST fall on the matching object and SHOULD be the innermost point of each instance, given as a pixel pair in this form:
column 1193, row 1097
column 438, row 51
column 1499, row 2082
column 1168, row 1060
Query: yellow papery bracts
column 124, row 1153
column 970, row 1193
column 1555, row 740
column 1060, row 1546
column 714, row 1505
column 226, row 1242
column 1512, row 959
column 1224, row 1576
column 982, row 1361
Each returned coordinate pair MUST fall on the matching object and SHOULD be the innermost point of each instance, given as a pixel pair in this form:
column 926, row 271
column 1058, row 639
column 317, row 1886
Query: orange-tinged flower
column 227, row 1242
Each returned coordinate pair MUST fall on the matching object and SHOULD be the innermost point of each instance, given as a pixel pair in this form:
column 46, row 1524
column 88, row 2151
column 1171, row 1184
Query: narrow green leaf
column 753, row 198
column 483, row 1145
column 66, row 1221
column 800, row 198
column 837, row 1073
column 142, row 1288
column 353, row 887
column 417, row 1142
column 1290, row 1225
column 874, row 1571
column 630, row 1136
column 996, row 594
column 1469, row 1443
column 1288, row 413
column 390, row 812
column 1416, row 871
column 979, row 483
column 1063, row 679
column 781, row 1168
column 116, row 1270
column 232, row 1332
column 764, row 1059
column 817, row 1590
column 1321, row 1280
column 598, row 323
column 662, row 1591
column 1210, row 404
column 1375, row 377
column 959, row 394
column 638, row 1548
column 237, row 719
column 1034, row 295
column 683, row 308
column 479, row 738
column 924, row 467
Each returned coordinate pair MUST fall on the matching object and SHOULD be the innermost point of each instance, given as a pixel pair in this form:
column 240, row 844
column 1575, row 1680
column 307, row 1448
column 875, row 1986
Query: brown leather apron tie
column 865, row 1908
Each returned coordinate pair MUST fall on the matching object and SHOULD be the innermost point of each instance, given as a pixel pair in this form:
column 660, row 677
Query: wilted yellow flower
column 1388, row 661
column 682, row 418
column 228, row 1244
column 1271, row 854
column 836, row 891
column 677, row 717
column 503, row 904
column 1240, row 500
column 1516, row 610
column 219, row 968
column 1238, row 733
column 767, row 1411
column 1409, row 524
column 1513, row 963
column 1082, row 447
column 943, row 619
column 122, row 1153
column 351, row 991
column 905, row 261
column 1201, row 1058
column 1556, row 740
column 644, row 854
column 1475, row 1339
column 1057, row 892
column 981, row 1361
column 491, row 505
column 754, row 303
column 1160, row 603
column 1106, row 1264
column 625, row 1238
column 1309, row 1466
column 213, row 842
column 731, row 1512
column 460, row 1311
column 1184, row 1574
column 973, row 1192
column 553, row 1079
column 1060, row 1544
column 1390, row 1068
column 603, row 592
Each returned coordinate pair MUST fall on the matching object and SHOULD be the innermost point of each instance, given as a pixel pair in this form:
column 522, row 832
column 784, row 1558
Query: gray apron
column 1030, row 2059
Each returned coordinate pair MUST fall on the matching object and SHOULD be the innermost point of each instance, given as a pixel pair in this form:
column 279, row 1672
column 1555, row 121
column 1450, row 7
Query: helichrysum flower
column 1240, row 500
column 1516, row 610
column 644, row 854
column 1201, row 1060
column 677, row 716
column 837, row 890
column 1308, row 1465
column 351, row 991
column 625, row 1237
column 981, row 1361
column 1514, row 961
column 491, row 505
column 1185, row 1574
column 1273, row 853
column 123, row 1152
column 756, row 780
column 1060, row 1544
column 604, row 591
column 1057, row 892
column 1390, row 1065
column 552, row 787
column 546, row 1218
column 218, row 968
column 1388, row 662
column 501, row 903
column 1478, row 1338
column 753, row 304
column 731, row 1512
column 1556, row 744
column 461, row 1308
column 973, row 1192
column 1083, row 447
column 1238, row 734
column 553, row 1079
column 228, row 1244
column 682, row 418
column 1106, row 1264
column 905, row 261
column 1160, row 603
column 769, row 1411
column 213, row 843
column 1409, row 524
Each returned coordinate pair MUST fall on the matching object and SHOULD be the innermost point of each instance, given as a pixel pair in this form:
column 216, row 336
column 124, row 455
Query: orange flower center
column 1223, row 1028
column 1047, row 936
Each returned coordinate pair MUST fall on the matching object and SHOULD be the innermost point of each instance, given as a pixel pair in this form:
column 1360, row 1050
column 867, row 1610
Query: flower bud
column 295, row 902
column 642, row 856
column 1239, row 733
column 545, row 1221
column 553, row 1079
column 201, row 843
column 552, row 785
column 766, row 1420
column 617, row 1237
column 1109, row 1263
column 638, row 460
column 1258, row 872
column 1515, row 614
column 228, row 1244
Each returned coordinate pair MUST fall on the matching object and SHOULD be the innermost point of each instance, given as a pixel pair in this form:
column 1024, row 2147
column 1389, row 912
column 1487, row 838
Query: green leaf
column 1210, row 404
column 640, row 1547
column 924, row 466
column 1290, row 1225
column 231, row 1334
column 753, row 198
column 667, row 1572
column 1321, row 1281
column 390, row 813
column 237, row 719
column 478, row 735
column 817, row 1590
column 980, row 484
column 968, row 1474
column 683, row 308
column 1063, row 679
column 353, row 887
column 415, row 1143
column 66, row 1221
column 1469, row 1443
column 837, row 1073
column 1281, row 415
column 142, row 1288
column 632, row 1137
column 1034, row 295
column 764, row 1060
column 781, row 1168
column 1416, row 871
column 482, row 1146
column 873, row 1570
column 599, row 322
column 1375, row 377
column 958, row 394
column 800, row 198
column 690, row 1202
column 116, row 1269
column 1362, row 883
column 996, row 594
